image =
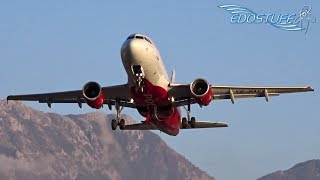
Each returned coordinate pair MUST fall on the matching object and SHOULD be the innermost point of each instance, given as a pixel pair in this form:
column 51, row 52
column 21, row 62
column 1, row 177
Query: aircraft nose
column 132, row 48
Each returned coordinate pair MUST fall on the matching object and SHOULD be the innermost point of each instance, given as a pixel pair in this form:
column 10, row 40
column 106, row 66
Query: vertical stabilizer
column 173, row 76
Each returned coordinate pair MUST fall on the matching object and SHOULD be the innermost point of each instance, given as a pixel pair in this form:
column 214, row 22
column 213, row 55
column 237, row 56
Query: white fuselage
column 142, row 61
column 142, row 51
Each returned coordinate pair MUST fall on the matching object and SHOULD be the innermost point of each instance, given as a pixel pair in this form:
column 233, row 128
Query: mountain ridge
column 308, row 170
column 37, row 145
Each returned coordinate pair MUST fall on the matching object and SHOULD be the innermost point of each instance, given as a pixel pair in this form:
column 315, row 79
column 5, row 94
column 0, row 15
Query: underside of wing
column 121, row 93
column 49, row 98
column 140, row 126
column 234, row 92
column 183, row 96
column 205, row 124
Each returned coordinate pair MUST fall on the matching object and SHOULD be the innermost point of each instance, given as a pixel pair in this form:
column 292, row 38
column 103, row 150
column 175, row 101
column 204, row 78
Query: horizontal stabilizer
column 206, row 124
column 199, row 124
column 140, row 126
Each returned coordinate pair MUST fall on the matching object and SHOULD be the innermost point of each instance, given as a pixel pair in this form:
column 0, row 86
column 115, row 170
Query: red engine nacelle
column 201, row 92
column 93, row 94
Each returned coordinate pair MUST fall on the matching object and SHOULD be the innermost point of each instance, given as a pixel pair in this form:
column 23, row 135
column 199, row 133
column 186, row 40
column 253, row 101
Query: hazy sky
column 50, row 46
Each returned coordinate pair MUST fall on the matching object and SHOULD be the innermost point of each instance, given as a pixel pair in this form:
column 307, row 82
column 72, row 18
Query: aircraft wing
column 121, row 92
column 182, row 93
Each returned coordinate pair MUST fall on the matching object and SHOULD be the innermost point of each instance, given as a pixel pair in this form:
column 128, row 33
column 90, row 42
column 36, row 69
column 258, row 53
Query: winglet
column 309, row 88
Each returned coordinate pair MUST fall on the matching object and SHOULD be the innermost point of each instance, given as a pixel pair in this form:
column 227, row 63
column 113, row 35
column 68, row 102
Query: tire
column 184, row 123
column 114, row 124
column 122, row 124
column 140, row 89
column 193, row 122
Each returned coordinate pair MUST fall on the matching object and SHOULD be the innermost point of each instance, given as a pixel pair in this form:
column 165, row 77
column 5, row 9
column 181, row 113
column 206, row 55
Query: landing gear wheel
column 140, row 89
column 114, row 124
column 122, row 124
column 193, row 122
column 184, row 123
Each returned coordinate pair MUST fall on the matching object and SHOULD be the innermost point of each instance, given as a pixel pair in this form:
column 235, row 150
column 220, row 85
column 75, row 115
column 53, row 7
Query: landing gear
column 187, row 120
column 139, row 87
column 139, row 75
column 122, row 124
column 184, row 123
column 118, row 122
column 193, row 122
column 114, row 124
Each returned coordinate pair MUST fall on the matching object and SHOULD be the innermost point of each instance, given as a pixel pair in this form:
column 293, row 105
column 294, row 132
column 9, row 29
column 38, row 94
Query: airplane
column 156, row 97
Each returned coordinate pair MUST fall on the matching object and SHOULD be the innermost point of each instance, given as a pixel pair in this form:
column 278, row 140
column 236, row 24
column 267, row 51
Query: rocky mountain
column 39, row 145
column 309, row 170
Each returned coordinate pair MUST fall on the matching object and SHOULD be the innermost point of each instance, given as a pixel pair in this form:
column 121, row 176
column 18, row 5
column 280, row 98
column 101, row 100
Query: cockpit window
column 139, row 37
column 131, row 37
column 147, row 40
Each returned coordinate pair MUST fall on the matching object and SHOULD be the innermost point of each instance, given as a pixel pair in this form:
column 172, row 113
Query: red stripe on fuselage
column 151, row 95
column 153, row 98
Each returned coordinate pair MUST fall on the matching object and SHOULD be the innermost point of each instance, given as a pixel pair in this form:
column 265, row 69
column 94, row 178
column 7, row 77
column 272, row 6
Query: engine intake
column 93, row 94
column 201, row 92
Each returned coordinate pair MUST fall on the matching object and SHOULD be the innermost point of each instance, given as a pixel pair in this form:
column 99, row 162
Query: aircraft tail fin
column 173, row 76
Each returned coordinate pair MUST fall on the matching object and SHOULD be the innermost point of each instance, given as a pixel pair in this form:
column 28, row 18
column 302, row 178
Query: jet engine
column 93, row 94
column 201, row 92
